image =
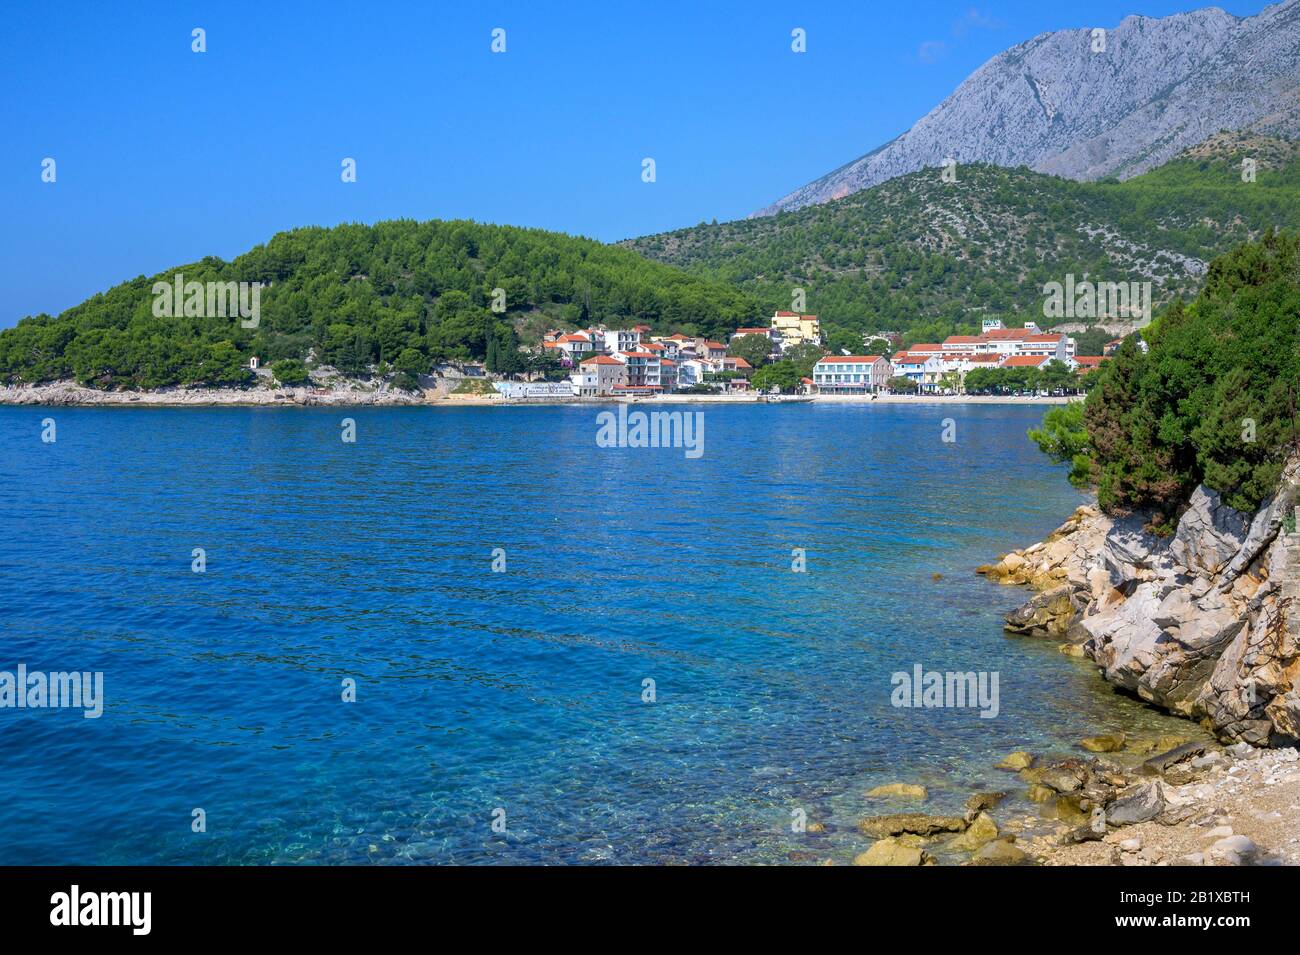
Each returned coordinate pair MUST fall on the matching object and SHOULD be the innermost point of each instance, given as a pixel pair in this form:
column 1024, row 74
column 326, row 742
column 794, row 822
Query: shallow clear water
column 519, row 690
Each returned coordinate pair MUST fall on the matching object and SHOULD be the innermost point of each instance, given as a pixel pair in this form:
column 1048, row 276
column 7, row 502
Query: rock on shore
column 1204, row 623
column 1190, row 804
column 1230, row 808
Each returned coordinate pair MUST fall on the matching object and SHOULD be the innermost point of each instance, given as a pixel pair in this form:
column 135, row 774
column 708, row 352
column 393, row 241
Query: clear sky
column 165, row 155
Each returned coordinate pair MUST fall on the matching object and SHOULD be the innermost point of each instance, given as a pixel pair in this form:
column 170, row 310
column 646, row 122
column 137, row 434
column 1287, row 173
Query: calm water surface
column 519, row 690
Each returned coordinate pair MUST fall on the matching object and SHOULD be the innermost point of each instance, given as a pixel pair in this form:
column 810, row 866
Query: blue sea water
column 481, row 693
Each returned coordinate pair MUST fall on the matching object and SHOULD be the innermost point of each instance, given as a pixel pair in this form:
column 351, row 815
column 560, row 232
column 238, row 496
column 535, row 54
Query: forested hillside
column 928, row 257
column 405, row 293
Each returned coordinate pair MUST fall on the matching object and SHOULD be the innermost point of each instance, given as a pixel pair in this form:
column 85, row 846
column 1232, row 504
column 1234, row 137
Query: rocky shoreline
column 1204, row 624
column 1190, row 804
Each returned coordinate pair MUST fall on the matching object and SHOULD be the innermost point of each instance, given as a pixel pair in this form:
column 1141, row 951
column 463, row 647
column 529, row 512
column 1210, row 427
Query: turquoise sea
column 513, row 696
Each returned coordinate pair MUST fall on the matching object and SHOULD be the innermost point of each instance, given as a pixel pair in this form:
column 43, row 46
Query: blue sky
column 164, row 155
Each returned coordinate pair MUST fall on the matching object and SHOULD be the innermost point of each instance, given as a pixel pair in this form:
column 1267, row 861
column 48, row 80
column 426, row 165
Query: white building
column 1006, row 342
column 852, row 374
column 691, row 372
column 598, row 376
column 622, row 339
column 916, row 368
column 643, row 369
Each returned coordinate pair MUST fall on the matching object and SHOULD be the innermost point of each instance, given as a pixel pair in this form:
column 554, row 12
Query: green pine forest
column 403, row 293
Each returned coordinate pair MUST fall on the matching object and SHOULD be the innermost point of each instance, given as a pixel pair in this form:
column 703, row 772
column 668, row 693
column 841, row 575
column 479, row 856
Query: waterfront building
column 642, row 368
column 668, row 374
column 598, row 376
column 852, row 374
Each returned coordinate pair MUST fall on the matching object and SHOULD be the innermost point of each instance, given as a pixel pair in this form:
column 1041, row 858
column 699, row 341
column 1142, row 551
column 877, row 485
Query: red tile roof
column 848, row 359
column 1006, row 334
column 1024, row 361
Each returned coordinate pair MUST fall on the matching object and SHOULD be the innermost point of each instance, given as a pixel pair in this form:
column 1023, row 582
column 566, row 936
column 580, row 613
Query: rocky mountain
column 1058, row 106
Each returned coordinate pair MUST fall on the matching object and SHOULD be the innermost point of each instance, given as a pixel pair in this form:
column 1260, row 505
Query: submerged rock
column 917, row 823
column 981, row 801
column 1016, row 761
column 1110, row 743
column 907, row 790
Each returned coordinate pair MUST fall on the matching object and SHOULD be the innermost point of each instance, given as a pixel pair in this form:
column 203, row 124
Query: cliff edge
column 1204, row 623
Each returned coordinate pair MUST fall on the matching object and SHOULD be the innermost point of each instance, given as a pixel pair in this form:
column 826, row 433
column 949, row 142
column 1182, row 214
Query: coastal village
column 600, row 363
column 633, row 362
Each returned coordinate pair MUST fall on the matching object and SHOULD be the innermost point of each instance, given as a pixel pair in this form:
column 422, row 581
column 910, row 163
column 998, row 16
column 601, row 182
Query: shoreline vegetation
column 67, row 394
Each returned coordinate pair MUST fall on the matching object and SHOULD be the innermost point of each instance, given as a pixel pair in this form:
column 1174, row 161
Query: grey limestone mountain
column 1057, row 106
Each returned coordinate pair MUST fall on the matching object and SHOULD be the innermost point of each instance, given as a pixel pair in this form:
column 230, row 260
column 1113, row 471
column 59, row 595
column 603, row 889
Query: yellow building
column 795, row 329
